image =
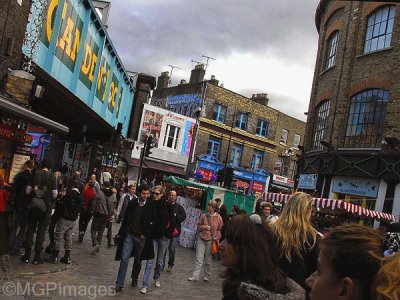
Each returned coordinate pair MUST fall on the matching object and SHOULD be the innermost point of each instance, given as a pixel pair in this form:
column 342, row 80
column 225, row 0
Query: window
column 241, row 121
column 292, row 169
column 284, row 136
column 320, row 124
column 257, row 159
column 296, row 141
column 236, row 155
column 262, row 128
column 214, row 146
column 331, row 50
column 219, row 113
column 366, row 116
column 171, row 137
column 379, row 29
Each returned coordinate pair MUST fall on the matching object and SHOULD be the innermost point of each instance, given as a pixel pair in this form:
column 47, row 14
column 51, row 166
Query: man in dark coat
column 135, row 229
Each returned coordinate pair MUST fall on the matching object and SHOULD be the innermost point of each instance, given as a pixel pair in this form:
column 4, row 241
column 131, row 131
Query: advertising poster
column 152, row 122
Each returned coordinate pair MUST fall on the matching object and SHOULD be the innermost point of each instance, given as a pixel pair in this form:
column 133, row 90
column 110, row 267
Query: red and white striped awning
column 334, row 204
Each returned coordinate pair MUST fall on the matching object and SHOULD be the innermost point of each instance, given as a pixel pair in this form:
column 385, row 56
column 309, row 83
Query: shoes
column 169, row 269
column 80, row 237
column 157, row 283
column 192, row 278
column 205, row 278
column 134, row 283
column 118, row 289
column 143, row 290
column 96, row 249
column 38, row 260
column 49, row 249
column 25, row 258
column 53, row 259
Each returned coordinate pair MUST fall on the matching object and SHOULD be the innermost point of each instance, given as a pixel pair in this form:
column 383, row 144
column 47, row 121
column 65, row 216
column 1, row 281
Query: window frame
column 282, row 140
column 294, row 140
column 217, row 141
column 331, row 50
column 257, row 154
column 320, row 124
column 175, row 139
column 242, row 121
column 219, row 115
column 260, row 127
column 236, row 148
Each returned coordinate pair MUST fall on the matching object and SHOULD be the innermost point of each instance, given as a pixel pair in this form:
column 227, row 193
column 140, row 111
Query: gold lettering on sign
column 52, row 8
column 89, row 62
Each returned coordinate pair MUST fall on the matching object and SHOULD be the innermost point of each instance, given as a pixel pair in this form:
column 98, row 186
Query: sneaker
column 96, row 249
column 169, row 269
column 157, row 283
column 143, row 290
column 205, row 278
column 192, row 278
column 118, row 289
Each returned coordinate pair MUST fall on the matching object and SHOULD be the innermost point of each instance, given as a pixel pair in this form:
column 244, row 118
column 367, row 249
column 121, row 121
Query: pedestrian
column 135, row 230
column 223, row 212
column 122, row 189
column 58, row 210
column 20, row 212
column 349, row 258
column 105, row 176
column 248, row 274
column 130, row 196
column 70, row 206
column 88, row 194
column 209, row 230
column 180, row 217
column 44, row 191
column 97, row 187
column 219, row 203
column 258, row 200
column 266, row 216
column 102, row 209
column 297, row 239
column 77, row 177
column 152, row 183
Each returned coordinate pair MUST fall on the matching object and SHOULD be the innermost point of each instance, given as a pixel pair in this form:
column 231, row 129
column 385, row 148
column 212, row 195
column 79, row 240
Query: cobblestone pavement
column 91, row 277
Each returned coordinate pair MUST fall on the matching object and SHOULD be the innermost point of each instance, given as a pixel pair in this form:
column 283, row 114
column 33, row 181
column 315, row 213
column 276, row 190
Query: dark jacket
column 103, row 203
column 21, row 181
column 180, row 215
column 147, row 222
column 165, row 220
column 71, row 204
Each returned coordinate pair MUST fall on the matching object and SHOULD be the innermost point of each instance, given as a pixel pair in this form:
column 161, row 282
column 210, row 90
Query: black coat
column 165, row 220
column 147, row 221
column 180, row 215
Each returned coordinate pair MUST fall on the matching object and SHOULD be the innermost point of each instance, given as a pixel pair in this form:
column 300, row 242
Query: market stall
column 335, row 205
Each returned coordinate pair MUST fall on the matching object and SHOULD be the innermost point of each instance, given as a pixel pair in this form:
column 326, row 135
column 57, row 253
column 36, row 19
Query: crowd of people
column 270, row 254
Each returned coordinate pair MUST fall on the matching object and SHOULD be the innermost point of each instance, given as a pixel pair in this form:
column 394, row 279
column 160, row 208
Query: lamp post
column 197, row 113
column 230, row 140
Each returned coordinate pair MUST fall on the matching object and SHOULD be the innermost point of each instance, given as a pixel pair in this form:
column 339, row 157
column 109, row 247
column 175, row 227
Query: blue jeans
column 160, row 248
column 171, row 250
column 136, row 244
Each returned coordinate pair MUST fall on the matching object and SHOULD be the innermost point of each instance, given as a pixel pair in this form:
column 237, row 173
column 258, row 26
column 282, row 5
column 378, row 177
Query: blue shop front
column 250, row 181
column 207, row 168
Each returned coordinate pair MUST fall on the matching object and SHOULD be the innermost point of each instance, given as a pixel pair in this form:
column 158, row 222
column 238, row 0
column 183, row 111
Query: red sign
column 242, row 184
column 207, row 174
column 258, row 187
column 15, row 134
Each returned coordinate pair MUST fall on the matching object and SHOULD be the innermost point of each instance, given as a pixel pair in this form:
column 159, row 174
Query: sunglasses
column 155, row 193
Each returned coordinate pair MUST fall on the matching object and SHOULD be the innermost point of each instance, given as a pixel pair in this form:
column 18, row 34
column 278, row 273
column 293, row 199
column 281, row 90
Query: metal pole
column 141, row 160
column 229, row 146
column 191, row 151
column 83, row 147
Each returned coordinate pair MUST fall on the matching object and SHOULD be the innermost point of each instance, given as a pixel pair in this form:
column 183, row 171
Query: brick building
column 353, row 128
column 240, row 132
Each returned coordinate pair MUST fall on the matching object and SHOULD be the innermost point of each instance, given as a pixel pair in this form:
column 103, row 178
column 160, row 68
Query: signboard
column 242, row 184
column 45, row 140
column 242, row 174
column 356, row 186
column 307, row 181
column 207, row 174
column 15, row 135
column 17, row 164
column 257, row 187
column 75, row 49
column 284, row 181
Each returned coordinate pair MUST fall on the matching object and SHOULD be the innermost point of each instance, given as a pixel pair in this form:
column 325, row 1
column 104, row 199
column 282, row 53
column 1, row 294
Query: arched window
column 366, row 117
column 379, row 29
column 331, row 50
column 322, row 113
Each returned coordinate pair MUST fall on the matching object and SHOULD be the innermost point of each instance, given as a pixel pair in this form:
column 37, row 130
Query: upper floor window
column 331, row 50
column 241, row 121
column 366, row 117
column 262, row 128
column 379, row 29
column 296, row 140
column 219, row 113
column 257, row 159
column 171, row 137
column 214, row 146
column 320, row 124
column 236, row 156
column 334, row 17
column 284, row 136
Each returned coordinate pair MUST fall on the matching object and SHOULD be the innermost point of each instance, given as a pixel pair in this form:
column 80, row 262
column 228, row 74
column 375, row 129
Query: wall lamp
column 327, row 144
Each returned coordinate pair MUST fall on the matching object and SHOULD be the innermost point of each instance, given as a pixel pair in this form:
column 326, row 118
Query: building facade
column 237, row 137
column 353, row 128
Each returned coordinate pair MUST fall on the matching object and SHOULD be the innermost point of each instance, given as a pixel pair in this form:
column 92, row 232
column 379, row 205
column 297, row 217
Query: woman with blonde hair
column 387, row 284
column 296, row 239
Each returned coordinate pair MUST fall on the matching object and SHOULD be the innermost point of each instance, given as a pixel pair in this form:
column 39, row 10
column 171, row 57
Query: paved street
column 92, row 276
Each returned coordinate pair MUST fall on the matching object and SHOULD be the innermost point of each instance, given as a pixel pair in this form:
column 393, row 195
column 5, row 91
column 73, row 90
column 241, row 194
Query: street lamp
column 197, row 113
column 230, row 139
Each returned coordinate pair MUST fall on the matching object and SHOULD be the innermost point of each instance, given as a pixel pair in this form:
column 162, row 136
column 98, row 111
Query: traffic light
column 148, row 145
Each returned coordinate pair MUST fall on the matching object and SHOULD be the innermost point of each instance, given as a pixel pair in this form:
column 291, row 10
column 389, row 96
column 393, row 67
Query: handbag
column 215, row 247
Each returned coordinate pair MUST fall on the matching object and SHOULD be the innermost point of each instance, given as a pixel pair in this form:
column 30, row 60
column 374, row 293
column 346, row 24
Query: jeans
column 203, row 252
column 17, row 237
column 84, row 220
column 136, row 244
column 173, row 242
column 160, row 248
column 99, row 224
column 63, row 231
column 37, row 223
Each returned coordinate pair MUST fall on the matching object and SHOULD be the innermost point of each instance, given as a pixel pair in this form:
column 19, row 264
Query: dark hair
column 106, row 184
column 354, row 251
column 72, row 183
column 45, row 164
column 257, row 262
column 143, row 187
column 236, row 208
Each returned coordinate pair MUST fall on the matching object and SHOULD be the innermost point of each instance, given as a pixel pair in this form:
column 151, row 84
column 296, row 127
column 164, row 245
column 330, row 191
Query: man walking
column 135, row 229
column 180, row 216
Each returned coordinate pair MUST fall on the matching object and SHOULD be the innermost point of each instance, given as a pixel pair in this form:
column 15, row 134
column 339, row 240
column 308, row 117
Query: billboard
column 75, row 49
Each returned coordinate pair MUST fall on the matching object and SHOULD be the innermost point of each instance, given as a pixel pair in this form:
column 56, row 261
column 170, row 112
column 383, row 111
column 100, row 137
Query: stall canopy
column 229, row 198
column 335, row 204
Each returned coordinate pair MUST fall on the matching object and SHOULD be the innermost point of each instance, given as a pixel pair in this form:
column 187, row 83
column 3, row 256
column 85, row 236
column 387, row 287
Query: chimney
column 197, row 74
column 260, row 98
column 213, row 80
column 183, row 81
column 163, row 80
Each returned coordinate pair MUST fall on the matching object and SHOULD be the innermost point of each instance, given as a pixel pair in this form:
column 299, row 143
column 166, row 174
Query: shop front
column 281, row 184
column 249, row 181
column 207, row 169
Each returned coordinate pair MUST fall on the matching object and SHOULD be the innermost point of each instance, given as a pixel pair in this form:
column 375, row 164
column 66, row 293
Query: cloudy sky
column 259, row 46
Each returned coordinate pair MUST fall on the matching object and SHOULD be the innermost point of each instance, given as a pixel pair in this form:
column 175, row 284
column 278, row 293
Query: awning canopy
column 21, row 112
column 184, row 182
column 335, row 204
column 149, row 164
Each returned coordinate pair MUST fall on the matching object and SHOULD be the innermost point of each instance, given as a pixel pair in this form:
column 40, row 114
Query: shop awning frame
column 22, row 112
